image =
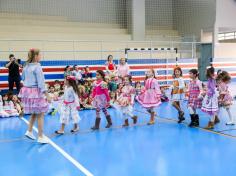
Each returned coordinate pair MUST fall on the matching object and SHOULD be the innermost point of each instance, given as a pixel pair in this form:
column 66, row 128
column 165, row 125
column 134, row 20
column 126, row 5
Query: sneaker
column 74, row 130
column 43, row 140
column 59, row 132
column 30, row 135
column 230, row 123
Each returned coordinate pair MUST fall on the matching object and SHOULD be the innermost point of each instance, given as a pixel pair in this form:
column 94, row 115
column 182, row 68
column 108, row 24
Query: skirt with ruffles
column 33, row 100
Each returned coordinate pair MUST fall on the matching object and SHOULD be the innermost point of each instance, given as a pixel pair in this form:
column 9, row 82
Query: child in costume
column 101, row 99
column 70, row 105
column 150, row 97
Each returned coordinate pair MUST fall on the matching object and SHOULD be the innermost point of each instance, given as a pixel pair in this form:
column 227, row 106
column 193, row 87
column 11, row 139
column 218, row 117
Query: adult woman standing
column 122, row 69
column 110, row 65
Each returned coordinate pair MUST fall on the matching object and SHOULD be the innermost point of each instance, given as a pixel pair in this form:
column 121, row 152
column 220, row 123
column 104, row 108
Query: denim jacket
column 32, row 76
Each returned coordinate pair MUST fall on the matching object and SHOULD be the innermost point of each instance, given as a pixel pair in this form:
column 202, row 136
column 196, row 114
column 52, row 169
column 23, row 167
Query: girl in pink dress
column 194, row 102
column 126, row 101
column 101, row 99
column 225, row 100
column 34, row 94
column 150, row 96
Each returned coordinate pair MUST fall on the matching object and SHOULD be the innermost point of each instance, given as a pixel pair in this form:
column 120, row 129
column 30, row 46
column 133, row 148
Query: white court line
column 66, row 155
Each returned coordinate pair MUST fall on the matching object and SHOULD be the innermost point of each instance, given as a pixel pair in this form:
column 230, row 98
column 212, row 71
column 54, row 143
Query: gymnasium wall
column 190, row 16
column 94, row 11
column 186, row 16
column 226, row 13
column 158, row 14
column 225, row 51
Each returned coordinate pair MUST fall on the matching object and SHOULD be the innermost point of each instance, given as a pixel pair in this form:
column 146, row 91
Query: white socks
column 231, row 119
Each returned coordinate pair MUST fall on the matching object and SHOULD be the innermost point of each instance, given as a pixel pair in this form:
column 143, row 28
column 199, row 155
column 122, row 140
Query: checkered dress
column 194, row 91
column 225, row 99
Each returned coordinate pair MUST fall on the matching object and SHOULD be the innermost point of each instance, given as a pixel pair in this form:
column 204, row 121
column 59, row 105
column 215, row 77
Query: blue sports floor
column 164, row 149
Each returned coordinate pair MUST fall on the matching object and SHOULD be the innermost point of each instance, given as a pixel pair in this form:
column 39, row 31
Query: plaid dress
column 224, row 99
column 194, row 91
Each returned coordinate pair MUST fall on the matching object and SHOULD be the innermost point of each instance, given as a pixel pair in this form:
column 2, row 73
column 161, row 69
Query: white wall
column 225, row 20
column 99, row 11
column 225, row 50
column 186, row 16
column 226, row 13
column 158, row 14
column 190, row 16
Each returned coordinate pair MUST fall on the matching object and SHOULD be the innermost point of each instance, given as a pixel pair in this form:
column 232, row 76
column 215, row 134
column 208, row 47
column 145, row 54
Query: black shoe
column 97, row 123
column 58, row 132
column 196, row 120
column 74, row 130
column 181, row 117
column 109, row 122
column 192, row 120
column 135, row 119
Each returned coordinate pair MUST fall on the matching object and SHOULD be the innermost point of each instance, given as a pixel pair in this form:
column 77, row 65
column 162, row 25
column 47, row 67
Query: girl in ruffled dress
column 101, row 99
column 150, row 96
column 210, row 101
column 125, row 101
column 69, row 106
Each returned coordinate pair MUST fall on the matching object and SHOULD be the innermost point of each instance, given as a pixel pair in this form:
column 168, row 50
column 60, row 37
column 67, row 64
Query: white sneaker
column 230, row 123
column 30, row 135
column 43, row 140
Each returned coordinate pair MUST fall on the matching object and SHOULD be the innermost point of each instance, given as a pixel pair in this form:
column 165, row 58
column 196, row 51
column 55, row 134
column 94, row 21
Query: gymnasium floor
column 164, row 149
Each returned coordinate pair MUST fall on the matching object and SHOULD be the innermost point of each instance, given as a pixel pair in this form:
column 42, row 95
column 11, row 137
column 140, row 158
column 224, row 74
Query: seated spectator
column 85, row 98
column 138, row 87
column 88, row 86
column 57, row 86
column 8, row 106
column 86, row 73
column 18, row 105
column 77, row 74
column 53, row 93
column 112, row 85
column 113, row 98
column 107, row 79
column 54, row 98
column 3, row 113
column 67, row 71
